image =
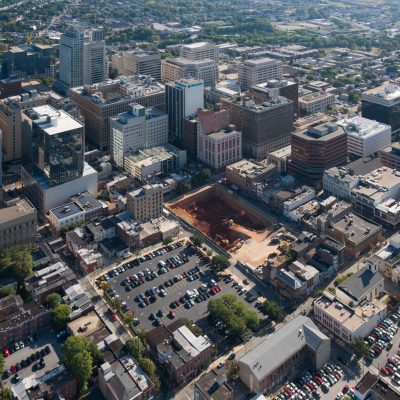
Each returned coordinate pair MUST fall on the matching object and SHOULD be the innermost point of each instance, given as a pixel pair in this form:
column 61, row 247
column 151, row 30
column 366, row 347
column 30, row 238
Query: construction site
column 229, row 222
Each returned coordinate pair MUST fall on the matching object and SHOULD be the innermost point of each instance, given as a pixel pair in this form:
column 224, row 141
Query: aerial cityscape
column 200, row 200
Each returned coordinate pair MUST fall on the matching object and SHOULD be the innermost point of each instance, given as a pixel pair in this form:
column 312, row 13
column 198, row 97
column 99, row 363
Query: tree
column 53, row 300
column 197, row 240
column 1, row 363
column 233, row 370
column 184, row 186
column 135, row 347
column 150, row 369
column 272, row 309
column 60, row 316
column 220, row 262
column 76, row 344
column 6, row 291
column 360, row 348
column 17, row 262
column 6, row 394
column 81, row 365
column 192, row 327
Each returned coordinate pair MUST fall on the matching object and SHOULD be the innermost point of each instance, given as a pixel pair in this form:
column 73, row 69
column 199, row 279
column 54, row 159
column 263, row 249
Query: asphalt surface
column 197, row 313
column 51, row 360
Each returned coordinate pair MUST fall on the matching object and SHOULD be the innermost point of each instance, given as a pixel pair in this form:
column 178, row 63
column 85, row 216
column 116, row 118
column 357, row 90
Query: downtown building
column 265, row 126
column 83, row 60
column 99, row 102
column 137, row 129
column 254, row 72
column 173, row 69
column 53, row 167
column 200, row 51
column 317, row 149
column 137, row 62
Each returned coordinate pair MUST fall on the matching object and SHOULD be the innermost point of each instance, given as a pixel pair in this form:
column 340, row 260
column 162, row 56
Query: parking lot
column 27, row 361
column 160, row 303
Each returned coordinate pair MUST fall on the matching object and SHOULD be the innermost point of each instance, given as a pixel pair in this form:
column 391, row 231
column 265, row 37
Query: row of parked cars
column 392, row 368
column 17, row 346
column 307, row 384
column 36, row 358
column 381, row 337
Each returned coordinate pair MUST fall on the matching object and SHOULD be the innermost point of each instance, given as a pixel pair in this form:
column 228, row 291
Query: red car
column 384, row 371
column 13, row 369
column 6, row 352
column 171, row 314
column 345, row 389
column 177, row 303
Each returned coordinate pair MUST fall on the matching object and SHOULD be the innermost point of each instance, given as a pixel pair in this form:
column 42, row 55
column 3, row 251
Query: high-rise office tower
column 200, row 51
column 317, row 149
column 98, row 102
column 83, row 61
column 253, row 72
column 53, row 150
column 184, row 68
column 137, row 129
column 71, row 58
column 382, row 104
column 139, row 62
column 265, row 126
column 11, row 110
column 183, row 98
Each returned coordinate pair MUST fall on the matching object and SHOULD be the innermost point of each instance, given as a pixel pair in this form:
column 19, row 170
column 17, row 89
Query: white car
column 339, row 396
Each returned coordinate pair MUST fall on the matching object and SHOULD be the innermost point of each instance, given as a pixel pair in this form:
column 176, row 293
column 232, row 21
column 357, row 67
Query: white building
column 347, row 322
column 178, row 68
column 304, row 195
column 365, row 136
column 316, row 102
column 66, row 216
column 95, row 62
column 137, row 129
column 339, row 182
column 199, row 51
column 253, row 72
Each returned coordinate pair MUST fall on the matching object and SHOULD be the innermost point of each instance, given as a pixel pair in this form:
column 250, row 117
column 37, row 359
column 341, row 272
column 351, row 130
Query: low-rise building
column 316, row 102
column 282, row 355
column 89, row 260
column 19, row 321
column 123, row 379
column 365, row 284
column 297, row 281
column 100, row 230
column 66, row 216
column 372, row 387
column 179, row 351
column 93, row 208
column 18, row 224
column 348, row 323
column 388, row 259
column 280, row 158
column 340, row 181
column 357, row 234
column 213, row 386
column 390, row 156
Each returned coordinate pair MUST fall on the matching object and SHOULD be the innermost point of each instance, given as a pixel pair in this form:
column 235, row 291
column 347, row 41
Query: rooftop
column 182, row 61
column 363, row 127
column 310, row 97
column 355, row 228
column 197, row 45
column 213, row 386
column 248, row 103
column 66, row 210
column 359, row 284
column 262, row 61
column 53, row 121
column 388, row 92
column 20, row 209
column 288, row 340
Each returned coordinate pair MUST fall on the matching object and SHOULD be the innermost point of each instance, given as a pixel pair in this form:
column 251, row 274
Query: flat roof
column 363, row 127
column 53, row 121
column 210, row 387
column 20, row 209
column 66, row 210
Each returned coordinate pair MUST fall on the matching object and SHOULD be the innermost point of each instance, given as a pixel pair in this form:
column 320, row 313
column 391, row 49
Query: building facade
column 145, row 203
column 200, row 51
column 316, row 102
column 137, row 129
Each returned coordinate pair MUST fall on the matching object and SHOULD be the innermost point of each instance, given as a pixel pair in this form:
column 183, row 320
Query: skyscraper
column 71, row 58
column 83, row 61
column 183, row 98
column 53, row 167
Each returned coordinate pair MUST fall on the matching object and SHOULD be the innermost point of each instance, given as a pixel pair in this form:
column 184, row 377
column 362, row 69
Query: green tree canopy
column 76, row 344
column 17, row 262
column 53, row 300
column 135, row 347
column 184, row 186
column 233, row 313
column 81, row 365
column 360, row 348
column 1, row 363
column 6, row 291
column 6, row 394
column 272, row 309
column 220, row 262
column 197, row 240
column 60, row 316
